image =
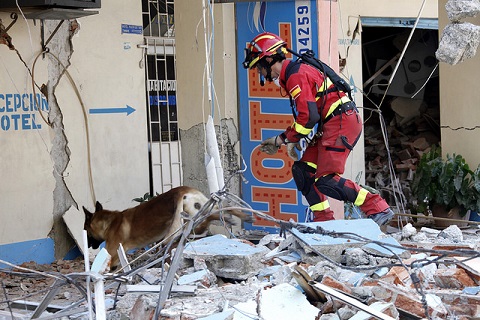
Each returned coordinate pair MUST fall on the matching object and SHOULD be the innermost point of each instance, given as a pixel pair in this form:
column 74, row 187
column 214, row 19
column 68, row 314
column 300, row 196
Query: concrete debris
column 459, row 40
column 458, row 43
column 461, row 9
column 344, row 269
column 314, row 247
column 228, row 258
column 284, row 301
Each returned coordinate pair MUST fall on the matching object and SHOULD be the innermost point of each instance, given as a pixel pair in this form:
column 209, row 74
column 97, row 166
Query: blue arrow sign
column 127, row 110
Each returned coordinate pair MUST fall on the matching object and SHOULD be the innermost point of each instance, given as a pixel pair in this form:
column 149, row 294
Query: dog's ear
column 87, row 213
column 98, row 206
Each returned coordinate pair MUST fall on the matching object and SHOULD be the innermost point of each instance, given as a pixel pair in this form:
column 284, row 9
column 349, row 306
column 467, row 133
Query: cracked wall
column 46, row 165
column 60, row 51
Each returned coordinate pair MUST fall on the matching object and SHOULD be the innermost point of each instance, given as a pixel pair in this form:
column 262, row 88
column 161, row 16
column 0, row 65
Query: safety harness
column 339, row 84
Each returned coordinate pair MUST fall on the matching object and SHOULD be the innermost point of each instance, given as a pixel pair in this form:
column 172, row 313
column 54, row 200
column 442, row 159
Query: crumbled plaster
column 193, row 155
column 5, row 38
column 60, row 51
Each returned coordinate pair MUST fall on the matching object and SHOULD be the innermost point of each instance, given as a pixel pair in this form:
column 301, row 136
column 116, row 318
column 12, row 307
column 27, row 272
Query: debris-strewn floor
column 344, row 269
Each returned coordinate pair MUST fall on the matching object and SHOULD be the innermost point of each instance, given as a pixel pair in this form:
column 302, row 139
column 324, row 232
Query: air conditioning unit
column 70, row 4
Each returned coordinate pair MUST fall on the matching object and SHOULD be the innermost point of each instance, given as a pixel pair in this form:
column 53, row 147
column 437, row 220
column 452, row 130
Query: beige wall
column 104, row 66
column 192, row 94
column 459, row 98
column 388, row 8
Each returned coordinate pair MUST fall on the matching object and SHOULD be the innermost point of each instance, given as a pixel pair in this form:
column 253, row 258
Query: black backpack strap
column 292, row 67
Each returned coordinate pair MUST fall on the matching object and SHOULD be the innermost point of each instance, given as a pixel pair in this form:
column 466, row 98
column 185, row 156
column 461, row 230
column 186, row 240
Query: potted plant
column 446, row 186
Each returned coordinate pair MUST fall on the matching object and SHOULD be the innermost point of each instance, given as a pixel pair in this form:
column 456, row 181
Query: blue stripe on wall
column 40, row 251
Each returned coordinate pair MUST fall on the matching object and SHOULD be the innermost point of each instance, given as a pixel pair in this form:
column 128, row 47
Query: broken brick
column 454, row 278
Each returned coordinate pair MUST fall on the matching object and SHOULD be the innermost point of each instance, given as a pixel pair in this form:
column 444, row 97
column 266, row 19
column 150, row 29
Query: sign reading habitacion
column 18, row 111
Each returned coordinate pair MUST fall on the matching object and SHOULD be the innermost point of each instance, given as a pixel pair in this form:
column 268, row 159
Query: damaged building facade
column 76, row 91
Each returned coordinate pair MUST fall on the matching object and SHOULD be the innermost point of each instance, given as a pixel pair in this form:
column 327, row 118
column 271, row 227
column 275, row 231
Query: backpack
column 339, row 83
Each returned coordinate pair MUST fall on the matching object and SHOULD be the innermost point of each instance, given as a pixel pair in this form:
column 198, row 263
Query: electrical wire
column 403, row 52
column 398, row 195
column 35, row 85
column 84, row 113
column 295, row 229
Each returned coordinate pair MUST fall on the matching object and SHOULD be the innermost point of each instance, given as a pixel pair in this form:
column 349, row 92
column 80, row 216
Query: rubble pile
column 412, row 129
column 342, row 269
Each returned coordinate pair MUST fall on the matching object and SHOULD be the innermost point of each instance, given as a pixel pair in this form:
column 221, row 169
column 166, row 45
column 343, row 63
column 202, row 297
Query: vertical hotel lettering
column 273, row 171
column 265, row 110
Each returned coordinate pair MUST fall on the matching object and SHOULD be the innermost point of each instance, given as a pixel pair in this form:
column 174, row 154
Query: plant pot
column 441, row 211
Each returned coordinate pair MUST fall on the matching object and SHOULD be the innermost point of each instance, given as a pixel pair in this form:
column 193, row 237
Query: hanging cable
column 403, row 52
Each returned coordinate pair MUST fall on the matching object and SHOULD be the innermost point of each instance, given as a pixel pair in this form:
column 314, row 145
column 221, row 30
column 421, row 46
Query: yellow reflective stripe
column 323, row 87
column 320, row 206
column 252, row 63
column 334, row 105
column 301, row 129
column 274, row 47
column 362, row 195
column 311, row 164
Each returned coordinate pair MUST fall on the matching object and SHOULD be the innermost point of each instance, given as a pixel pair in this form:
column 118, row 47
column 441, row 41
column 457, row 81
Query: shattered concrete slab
column 228, row 258
column 206, row 302
column 355, row 235
column 448, row 285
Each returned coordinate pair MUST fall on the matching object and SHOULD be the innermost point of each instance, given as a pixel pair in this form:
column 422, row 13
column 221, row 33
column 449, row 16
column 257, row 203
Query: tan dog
column 149, row 222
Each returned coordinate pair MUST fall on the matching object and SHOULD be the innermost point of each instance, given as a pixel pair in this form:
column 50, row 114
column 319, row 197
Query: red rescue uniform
column 315, row 96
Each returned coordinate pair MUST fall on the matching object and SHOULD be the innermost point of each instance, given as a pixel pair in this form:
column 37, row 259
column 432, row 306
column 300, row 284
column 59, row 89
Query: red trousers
column 328, row 155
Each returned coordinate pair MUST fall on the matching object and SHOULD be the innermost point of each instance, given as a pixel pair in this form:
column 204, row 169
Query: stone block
column 459, row 41
column 332, row 283
column 404, row 299
column 398, row 276
column 227, row 258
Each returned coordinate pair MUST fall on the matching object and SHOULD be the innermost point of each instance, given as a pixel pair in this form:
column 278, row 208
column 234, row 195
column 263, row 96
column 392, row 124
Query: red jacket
column 302, row 82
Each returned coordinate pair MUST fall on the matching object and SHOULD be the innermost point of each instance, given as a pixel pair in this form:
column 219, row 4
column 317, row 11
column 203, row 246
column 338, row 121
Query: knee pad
column 331, row 188
column 303, row 175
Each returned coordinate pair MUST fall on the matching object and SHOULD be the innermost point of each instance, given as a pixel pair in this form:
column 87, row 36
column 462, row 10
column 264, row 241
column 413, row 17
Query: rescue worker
column 316, row 100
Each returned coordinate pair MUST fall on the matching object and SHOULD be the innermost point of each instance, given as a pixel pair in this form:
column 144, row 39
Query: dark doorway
column 409, row 106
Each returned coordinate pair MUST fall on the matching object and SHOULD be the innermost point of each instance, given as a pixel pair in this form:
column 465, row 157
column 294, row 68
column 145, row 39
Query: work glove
column 271, row 145
column 291, row 146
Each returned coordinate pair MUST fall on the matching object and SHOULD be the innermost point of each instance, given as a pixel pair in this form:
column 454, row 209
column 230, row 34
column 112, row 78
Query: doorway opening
column 408, row 102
